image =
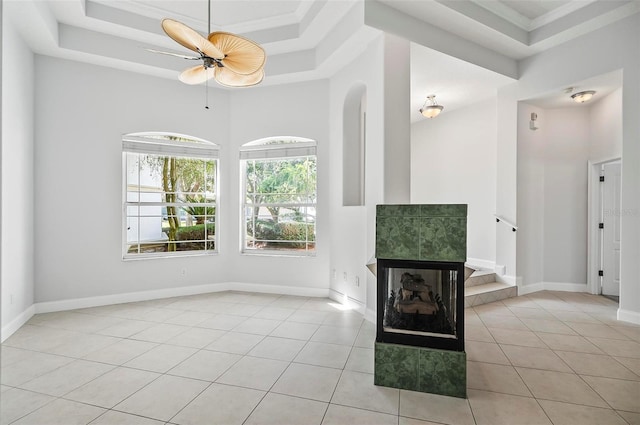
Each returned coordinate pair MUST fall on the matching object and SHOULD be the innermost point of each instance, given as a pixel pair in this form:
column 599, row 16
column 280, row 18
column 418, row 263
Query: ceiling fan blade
column 241, row 55
column 196, row 75
column 190, row 38
column 172, row 54
column 225, row 77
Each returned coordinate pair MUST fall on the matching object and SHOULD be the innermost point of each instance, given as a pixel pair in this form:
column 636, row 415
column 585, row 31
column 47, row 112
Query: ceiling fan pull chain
column 206, row 92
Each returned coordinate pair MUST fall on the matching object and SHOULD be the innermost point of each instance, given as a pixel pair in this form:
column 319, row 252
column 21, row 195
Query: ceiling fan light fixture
column 431, row 110
column 583, row 96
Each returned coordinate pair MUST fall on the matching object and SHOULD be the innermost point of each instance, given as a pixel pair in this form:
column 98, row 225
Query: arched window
column 170, row 194
column 279, row 196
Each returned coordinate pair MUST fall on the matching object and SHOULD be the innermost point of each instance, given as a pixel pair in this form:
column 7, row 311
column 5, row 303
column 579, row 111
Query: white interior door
column 611, row 231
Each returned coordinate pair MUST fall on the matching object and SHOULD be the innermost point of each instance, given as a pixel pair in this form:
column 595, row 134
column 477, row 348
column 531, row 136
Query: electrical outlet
column 183, row 272
column 345, row 277
column 334, row 274
column 357, row 281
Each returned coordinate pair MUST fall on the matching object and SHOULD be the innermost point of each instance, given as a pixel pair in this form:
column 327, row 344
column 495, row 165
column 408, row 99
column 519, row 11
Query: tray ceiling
column 311, row 39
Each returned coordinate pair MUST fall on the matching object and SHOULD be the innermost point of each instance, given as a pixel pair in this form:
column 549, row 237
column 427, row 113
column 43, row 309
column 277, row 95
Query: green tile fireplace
column 420, row 251
column 422, row 232
column 427, row 370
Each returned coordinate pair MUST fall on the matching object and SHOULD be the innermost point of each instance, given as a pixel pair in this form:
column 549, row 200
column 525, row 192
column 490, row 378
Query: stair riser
column 480, row 280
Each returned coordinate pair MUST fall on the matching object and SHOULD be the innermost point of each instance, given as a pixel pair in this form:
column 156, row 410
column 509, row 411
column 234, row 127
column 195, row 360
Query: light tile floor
column 246, row 358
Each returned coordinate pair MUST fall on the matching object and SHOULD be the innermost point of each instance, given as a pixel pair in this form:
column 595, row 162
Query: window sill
column 137, row 257
column 286, row 254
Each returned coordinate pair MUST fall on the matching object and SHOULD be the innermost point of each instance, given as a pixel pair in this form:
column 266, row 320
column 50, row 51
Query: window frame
column 273, row 149
column 155, row 143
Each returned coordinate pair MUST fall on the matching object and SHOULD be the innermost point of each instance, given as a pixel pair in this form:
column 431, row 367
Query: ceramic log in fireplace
column 421, row 251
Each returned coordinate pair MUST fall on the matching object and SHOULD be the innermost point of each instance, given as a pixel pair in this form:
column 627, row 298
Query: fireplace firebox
column 421, row 303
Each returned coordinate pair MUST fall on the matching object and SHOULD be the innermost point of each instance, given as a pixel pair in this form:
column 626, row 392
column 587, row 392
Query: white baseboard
column 347, row 301
column 481, row 264
column 72, row 304
column 16, row 323
column 370, row 316
column 552, row 286
column 76, row 303
column 629, row 316
column 300, row 291
column 531, row 288
column 509, row 280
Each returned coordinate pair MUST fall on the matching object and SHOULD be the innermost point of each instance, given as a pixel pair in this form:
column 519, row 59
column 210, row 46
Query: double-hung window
column 170, row 195
column 279, row 196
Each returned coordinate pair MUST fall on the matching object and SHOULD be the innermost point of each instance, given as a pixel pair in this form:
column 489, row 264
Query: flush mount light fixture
column 583, row 96
column 431, row 110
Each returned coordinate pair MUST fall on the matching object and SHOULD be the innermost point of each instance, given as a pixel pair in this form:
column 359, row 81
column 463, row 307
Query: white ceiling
column 532, row 9
column 310, row 39
column 454, row 82
column 602, row 84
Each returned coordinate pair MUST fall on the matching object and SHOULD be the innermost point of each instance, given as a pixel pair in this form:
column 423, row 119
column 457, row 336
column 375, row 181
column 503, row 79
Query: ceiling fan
column 232, row 60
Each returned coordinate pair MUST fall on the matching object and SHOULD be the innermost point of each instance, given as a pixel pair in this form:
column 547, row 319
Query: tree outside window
column 171, row 191
column 279, row 182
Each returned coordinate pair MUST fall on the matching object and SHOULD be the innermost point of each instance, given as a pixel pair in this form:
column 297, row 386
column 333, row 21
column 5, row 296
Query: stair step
column 487, row 293
column 468, row 271
column 480, row 277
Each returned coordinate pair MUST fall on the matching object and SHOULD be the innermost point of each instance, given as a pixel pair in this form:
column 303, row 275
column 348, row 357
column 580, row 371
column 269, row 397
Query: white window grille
column 170, row 195
column 279, row 196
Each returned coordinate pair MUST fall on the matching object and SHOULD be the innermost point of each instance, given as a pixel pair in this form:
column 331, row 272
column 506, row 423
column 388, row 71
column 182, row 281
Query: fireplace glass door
column 420, row 303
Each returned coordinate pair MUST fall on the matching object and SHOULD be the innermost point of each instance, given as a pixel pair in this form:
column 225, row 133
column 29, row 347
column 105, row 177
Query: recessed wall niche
column 354, row 116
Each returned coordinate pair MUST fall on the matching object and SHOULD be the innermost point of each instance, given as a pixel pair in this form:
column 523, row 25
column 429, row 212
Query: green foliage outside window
column 280, row 203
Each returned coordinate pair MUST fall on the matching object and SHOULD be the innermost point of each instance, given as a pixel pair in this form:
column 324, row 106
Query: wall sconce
column 583, row 96
column 433, row 110
column 532, row 123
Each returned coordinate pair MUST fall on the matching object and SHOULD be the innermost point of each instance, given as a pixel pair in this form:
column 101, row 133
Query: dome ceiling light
column 431, row 110
column 583, row 96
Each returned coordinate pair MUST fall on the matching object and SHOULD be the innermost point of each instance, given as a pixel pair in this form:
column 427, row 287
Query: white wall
column 353, row 227
column 616, row 48
column 397, row 120
column 453, row 161
column 353, row 133
column 289, row 110
column 605, row 121
column 552, row 187
column 17, row 179
column 565, row 195
column 79, row 246
column 81, row 114
column 531, row 200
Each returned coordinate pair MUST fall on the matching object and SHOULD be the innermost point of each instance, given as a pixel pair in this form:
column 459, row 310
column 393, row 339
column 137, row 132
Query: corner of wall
column 11, row 327
column 629, row 316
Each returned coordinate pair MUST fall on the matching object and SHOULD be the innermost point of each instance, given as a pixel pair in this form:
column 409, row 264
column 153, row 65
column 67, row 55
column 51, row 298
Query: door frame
column 594, row 215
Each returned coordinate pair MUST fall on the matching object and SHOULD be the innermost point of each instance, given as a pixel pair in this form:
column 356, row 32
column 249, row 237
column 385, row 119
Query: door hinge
column 600, row 225
column 601, row 178
column 600, row 272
